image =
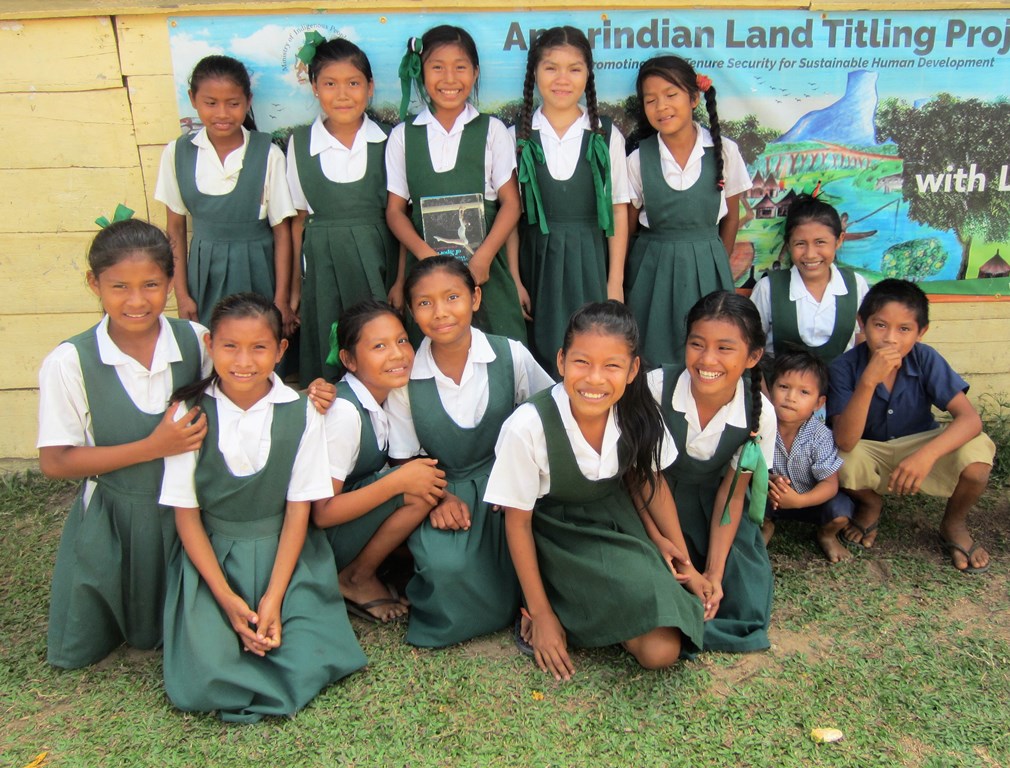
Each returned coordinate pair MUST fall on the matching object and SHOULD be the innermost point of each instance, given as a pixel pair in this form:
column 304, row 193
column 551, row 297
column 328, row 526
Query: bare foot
column 964, row 552
column 767, row 530
column 834, row 550
column 368, row 595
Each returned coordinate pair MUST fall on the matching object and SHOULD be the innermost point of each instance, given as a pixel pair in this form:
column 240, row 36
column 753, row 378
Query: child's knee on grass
column 657, row 649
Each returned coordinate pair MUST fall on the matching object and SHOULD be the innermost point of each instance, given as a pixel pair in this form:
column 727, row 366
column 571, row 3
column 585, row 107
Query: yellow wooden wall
column 87, row 104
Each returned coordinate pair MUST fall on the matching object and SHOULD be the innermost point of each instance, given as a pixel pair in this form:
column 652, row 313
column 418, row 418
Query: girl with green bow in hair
column 724, row 430
column 344, row 251
column 451, row 149
column 573, row 239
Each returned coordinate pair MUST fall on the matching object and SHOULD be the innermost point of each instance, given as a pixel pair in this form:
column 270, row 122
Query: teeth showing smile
column 709, row 375
column 593, row 395
column 243, row 375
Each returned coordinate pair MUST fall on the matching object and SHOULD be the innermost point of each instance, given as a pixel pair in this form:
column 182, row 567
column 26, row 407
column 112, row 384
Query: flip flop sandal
column 517, row 634
column 864, row 532
column 361, row 609
column 950, row 546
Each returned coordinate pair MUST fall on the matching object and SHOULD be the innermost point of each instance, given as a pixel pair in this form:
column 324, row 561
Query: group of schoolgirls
column 592, row 516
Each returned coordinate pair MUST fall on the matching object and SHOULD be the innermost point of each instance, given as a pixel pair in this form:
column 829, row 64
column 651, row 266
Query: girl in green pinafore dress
column 337, row 177
column 452, row 149
column 594, row 570
column 687, row 181
column 573, row 175
column 254, row 621
column 102, row 401
column 813, row 304
column 231, row 180
column 373, row 509
column 463, row 386
column 724, row 430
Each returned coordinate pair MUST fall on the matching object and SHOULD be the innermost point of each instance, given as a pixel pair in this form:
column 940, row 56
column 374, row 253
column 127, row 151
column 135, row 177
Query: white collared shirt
column 701, row 443
column 466, row 402
column 340, row 164
column 244, row 440
column 343, row 426
column 443, row 146
column 562, row 153
column 734, row 171
column 64, row 413
column 814, row 319
column 216, row 178
column 521, row 472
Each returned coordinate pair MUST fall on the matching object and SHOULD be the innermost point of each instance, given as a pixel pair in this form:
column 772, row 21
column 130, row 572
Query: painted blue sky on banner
column 813, row 82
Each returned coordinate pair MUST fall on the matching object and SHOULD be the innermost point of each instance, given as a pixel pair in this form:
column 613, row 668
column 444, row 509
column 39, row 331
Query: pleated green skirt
column 667, row 274
column 205, row 666
column 464, row 584
column 219, row 268
column 604, row 577
column 561, row 270
column 109, row 579
column 344, row 264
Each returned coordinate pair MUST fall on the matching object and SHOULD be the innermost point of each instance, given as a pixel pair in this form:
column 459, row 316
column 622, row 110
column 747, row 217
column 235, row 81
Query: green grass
column 909, row 658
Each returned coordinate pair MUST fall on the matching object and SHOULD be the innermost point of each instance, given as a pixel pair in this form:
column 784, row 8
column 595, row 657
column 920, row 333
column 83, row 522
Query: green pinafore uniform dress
column 464, row 584
column 348, row 539
column 678, row 259
column 785, row 328
column 499, row 311
column 232, row 250
column 742, row 622
column 566, row 267
column 348, row 252
column 109, row 580
column 604, row 577
column 205, row 666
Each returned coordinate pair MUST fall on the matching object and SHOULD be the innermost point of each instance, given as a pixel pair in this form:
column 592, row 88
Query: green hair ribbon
column 333, row 358
column 598, row 156
column 751, row 460
column 122, row 214
column 308, row 51
column 410, row 73
column 531, row 153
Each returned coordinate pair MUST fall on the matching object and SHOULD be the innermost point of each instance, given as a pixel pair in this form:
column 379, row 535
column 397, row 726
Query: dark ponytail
column 638, row 414
column 716, row 131
column 238, row 305
column 732, row 308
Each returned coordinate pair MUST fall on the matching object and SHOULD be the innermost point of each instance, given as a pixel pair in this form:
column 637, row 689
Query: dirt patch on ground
column 496, row 646
column 125, row 656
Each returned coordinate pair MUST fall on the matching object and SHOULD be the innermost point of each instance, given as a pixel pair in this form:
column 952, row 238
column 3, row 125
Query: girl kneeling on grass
column 373, row 510
column 250, row 569
column 591, row 525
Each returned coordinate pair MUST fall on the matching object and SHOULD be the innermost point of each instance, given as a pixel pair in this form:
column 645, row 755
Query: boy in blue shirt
column 879, row 405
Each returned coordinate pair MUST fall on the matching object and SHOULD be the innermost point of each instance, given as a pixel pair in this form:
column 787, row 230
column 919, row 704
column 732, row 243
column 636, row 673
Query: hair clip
column 333, row 358
column 410, row 73
column 122, row 214
column 704, row 82
column 721, row 184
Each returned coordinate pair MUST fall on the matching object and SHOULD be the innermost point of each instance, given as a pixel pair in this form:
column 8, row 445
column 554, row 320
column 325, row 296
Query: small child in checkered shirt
column 803, row 484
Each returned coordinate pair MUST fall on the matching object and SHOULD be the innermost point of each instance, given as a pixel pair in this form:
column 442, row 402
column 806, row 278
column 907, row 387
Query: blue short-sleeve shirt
column 924, row 380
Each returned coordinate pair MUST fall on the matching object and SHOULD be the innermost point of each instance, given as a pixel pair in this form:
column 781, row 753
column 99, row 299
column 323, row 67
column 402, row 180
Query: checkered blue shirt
column 813, row 458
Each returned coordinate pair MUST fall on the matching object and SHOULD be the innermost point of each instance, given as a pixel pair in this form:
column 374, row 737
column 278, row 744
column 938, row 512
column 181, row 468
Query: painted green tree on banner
column 943, row 136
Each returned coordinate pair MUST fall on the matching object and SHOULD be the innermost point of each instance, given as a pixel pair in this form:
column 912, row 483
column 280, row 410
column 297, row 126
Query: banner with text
column 899, row 117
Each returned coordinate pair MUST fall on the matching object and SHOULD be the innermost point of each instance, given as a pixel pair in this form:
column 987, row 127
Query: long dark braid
column 716, row 130
column 638, row 416
column 592, row 108
column 733, row 308
column 524, row 126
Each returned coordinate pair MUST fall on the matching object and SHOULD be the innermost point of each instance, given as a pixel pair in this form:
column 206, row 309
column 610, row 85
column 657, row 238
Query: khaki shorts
column 870, row 463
